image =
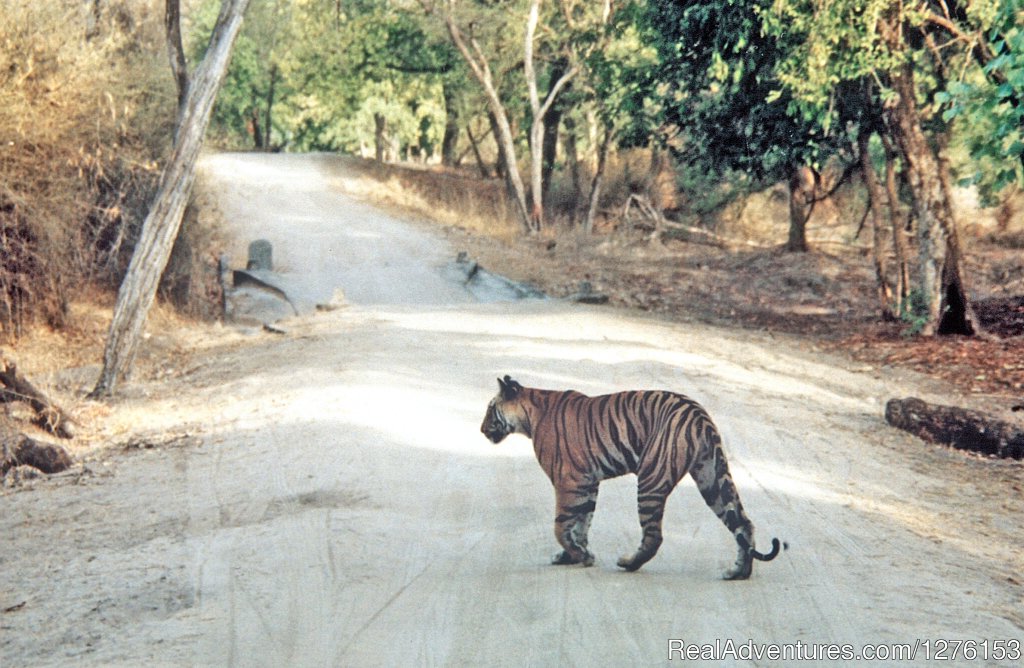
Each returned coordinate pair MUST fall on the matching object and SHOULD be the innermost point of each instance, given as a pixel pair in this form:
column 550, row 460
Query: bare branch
column 175, row 50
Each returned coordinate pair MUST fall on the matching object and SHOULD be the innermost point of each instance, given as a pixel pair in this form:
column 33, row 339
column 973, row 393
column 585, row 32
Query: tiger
column 658, row 435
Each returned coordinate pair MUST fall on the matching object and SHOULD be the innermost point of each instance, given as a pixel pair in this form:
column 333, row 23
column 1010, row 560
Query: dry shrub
column 87, row 111
column 191, row 280
column 627, row 172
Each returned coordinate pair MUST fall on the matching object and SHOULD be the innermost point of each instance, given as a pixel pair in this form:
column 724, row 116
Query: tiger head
column 506, row 414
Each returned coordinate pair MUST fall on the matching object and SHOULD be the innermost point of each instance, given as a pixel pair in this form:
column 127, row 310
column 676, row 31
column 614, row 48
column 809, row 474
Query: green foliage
column 332, row 67
column 722, row 93
column 621, row 78
column 749, row 87
column 829, row 45
column 990, row 104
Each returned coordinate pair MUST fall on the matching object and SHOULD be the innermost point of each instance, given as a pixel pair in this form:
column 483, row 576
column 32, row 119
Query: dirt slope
column 324, row 498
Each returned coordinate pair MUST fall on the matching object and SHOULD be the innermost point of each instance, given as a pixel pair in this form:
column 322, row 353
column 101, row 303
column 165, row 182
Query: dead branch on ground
column 15, row 387
column 650, row 218
column 20, row 450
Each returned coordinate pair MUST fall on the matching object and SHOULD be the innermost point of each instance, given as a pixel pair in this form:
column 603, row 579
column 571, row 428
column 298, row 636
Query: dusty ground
column 325, row 498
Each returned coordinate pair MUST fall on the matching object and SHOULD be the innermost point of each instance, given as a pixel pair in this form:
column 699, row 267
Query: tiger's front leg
column 574, row 510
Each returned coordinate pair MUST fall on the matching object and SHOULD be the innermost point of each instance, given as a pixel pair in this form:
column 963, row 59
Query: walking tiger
column 660, row 436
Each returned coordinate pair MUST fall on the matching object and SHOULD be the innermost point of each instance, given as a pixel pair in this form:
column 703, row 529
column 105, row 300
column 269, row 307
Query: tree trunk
column 138, row 288
column 503, row 131
column 536, row 124
column 803, row 188
column 175, row 50
column 473, row 143
column 899, row 238
column 875, row 196
column 550, row 150
column 501, row 166
column 450, row 141
column 572, row 160
column 536, row 184
column 380, row 142
column 254, row 127
column 596, row 182
column 942, row 288
column 268, row 111
column 539, row 111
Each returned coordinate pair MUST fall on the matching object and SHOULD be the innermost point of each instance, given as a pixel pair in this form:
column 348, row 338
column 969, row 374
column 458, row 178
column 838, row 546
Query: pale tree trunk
column 596, row 182
column 138, row 288
column 474, row 57
column 875, row 198
column 502, row 161
column 948, row 310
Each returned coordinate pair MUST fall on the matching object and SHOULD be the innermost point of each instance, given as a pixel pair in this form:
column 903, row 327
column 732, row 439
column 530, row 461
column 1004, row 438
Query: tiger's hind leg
column 651, row 507
column 719, row 492
column 575, row 509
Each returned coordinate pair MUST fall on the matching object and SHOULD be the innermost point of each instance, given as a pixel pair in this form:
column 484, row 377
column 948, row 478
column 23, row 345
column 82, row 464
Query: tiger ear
column 509, row 388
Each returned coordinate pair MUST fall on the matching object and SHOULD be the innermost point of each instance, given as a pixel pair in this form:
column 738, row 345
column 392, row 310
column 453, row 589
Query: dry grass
column 84, row 115
column 442, row 196
column 464, row 200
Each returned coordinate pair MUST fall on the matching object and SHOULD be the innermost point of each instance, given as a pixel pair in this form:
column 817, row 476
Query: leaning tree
column 153, row 249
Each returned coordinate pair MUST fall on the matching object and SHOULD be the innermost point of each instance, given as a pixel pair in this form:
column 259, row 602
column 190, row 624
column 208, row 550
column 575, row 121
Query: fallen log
column 15, row 387
column 960, row 428
column 20, row 450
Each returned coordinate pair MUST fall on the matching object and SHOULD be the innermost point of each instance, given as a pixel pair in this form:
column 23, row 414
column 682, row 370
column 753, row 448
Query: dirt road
column 325, row 498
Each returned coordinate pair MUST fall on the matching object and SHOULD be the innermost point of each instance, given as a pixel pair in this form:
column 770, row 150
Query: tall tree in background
column 564, row 35
column 722, row 95
column 479, row 64
column 898, row 47
column 138, row 288
column 255, row 80
column 539, row 109
column 619, row 96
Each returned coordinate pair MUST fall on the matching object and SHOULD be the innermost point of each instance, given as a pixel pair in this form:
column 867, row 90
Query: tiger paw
column 635, row 560
column 740, row 571
column 563, row 558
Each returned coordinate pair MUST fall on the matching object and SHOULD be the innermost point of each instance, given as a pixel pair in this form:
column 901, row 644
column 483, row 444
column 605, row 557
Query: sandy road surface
column 335, row 505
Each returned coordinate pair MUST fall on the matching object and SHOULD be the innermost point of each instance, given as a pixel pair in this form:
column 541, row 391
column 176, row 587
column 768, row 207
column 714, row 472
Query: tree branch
column 175, row 50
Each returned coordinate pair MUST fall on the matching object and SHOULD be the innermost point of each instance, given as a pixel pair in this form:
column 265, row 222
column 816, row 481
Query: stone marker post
column 260, row 256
